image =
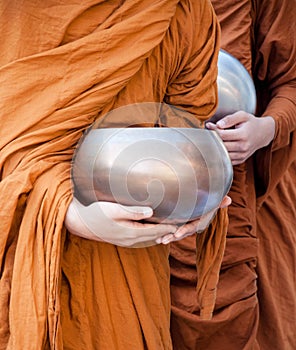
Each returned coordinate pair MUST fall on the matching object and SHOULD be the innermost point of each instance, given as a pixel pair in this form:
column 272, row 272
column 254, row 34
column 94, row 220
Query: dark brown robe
column 276, row 230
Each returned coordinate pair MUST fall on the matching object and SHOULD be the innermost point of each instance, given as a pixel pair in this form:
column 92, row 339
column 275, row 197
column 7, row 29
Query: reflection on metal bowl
column 182, row 173
column 236, row 90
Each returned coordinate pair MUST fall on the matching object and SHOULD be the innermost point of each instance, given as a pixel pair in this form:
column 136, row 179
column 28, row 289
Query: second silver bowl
column 236, row 89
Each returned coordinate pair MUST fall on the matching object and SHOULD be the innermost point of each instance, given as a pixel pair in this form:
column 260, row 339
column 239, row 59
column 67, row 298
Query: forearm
column 272, row 161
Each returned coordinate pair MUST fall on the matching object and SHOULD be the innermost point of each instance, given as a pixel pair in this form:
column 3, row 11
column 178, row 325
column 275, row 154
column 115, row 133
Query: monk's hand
column 114, row 223
column 188, row 229
column 243, row 134
column 195, row 226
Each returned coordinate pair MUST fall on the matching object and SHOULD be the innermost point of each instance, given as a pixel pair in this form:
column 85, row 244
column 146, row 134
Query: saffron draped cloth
column 256, row 300
column 63, row 64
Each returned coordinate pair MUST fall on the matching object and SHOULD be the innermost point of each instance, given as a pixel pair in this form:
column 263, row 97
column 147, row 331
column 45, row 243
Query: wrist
column 269, row 129
column 75, row 223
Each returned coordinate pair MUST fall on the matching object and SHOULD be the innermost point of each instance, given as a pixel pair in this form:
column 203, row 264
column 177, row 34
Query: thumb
column 134, row 212
column 232, row 120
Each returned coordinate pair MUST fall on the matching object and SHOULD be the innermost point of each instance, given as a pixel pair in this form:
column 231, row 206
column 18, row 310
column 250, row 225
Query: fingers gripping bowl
column 182, row 173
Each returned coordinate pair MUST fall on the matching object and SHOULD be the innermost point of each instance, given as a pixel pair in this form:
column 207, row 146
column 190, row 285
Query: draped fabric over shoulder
column 255, row 305
column 62, row 65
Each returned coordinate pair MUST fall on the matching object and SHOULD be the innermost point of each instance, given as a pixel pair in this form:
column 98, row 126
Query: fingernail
column 147, row 212
column 166, row 241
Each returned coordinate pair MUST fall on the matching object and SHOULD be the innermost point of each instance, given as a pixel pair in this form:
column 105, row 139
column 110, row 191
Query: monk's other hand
column 243, row 134
column 195, row 226
column 114, row 223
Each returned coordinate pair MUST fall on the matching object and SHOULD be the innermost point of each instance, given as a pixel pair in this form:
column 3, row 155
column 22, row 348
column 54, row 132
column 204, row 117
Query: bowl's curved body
column 236, row 89
column 182, row 173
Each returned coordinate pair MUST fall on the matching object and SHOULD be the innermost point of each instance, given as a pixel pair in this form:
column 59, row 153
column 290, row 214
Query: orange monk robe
column 62, row 66
column 235, row 322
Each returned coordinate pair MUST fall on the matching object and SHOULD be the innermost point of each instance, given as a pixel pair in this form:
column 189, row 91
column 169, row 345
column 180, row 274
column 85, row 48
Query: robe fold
column 258, row 262
column 276, row 86
column 63, row 64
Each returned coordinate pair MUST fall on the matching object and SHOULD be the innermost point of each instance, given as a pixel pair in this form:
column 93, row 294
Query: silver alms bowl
column 182, row 173
column 236, row 89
